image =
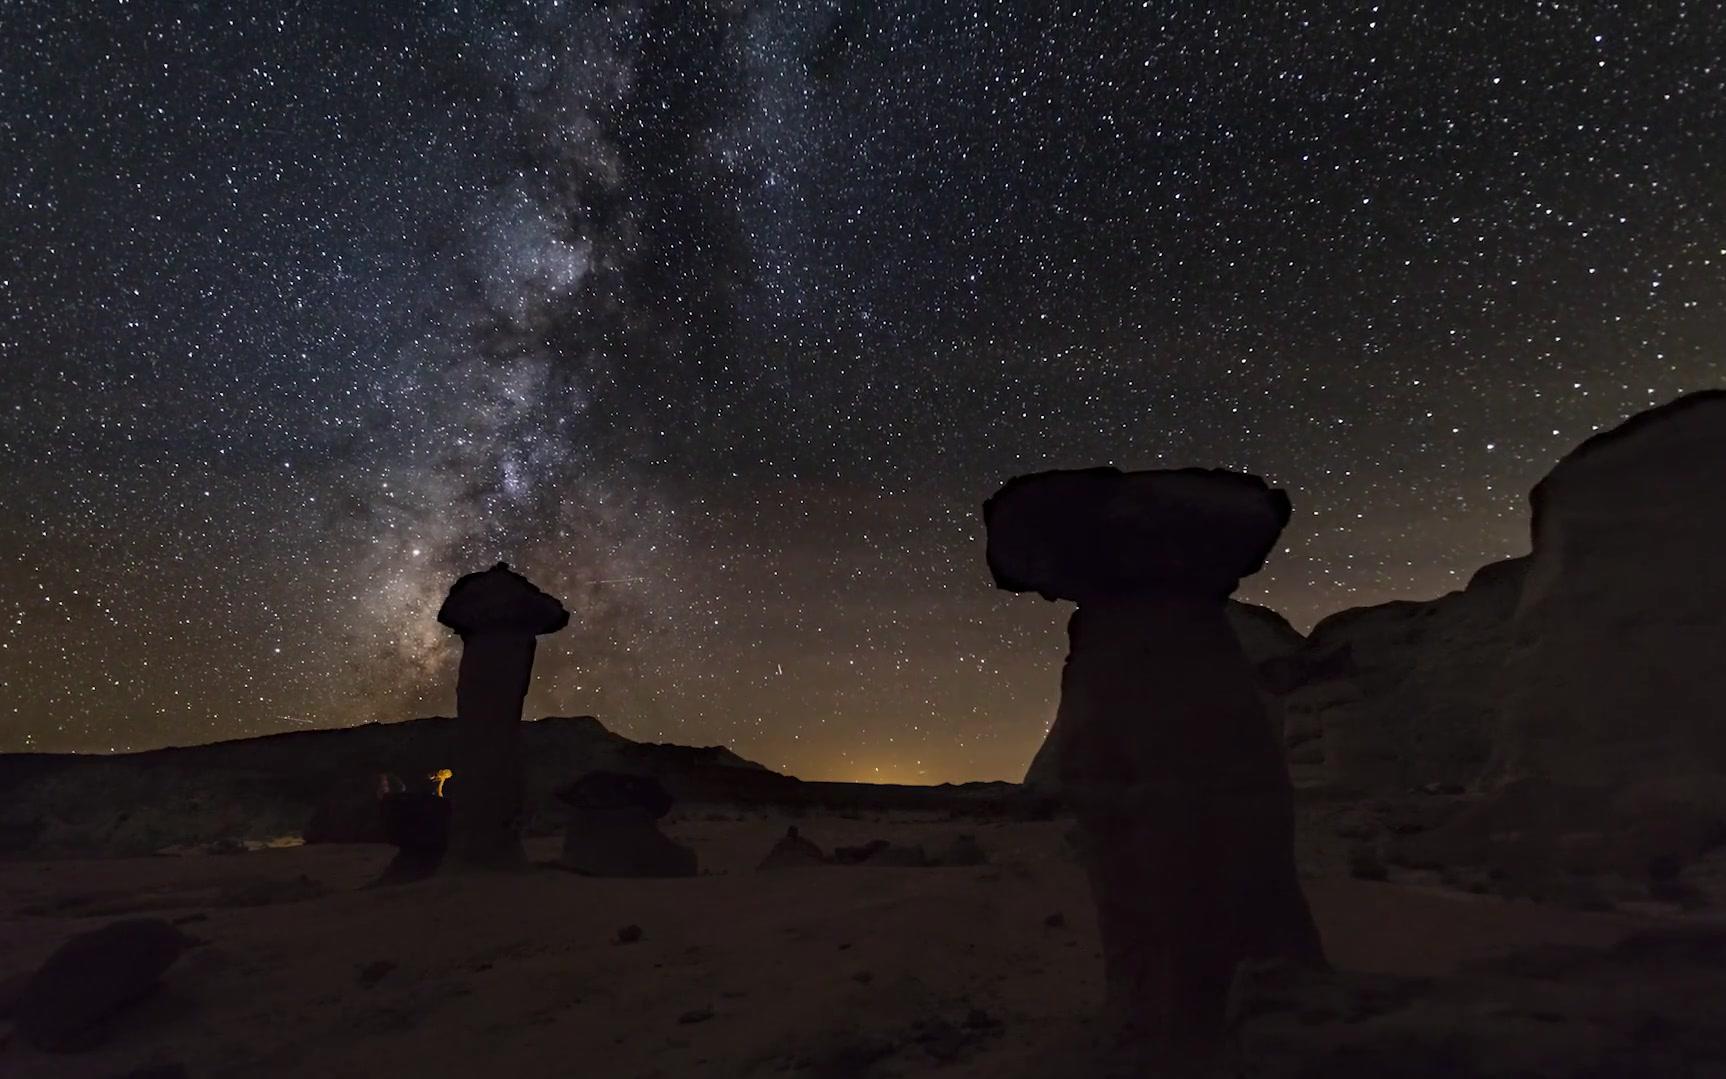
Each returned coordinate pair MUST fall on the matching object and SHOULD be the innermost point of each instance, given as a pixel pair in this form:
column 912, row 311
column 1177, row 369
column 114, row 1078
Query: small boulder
column 418, row 824
column 964, row 850
column 617, row 790
column 1364, row 863
column 880, row 852
column 858, row 855
column 92, row 976
column 910, row 857
column 374, row 972
column 613, row 830
column 793, row 852
column 416, row 821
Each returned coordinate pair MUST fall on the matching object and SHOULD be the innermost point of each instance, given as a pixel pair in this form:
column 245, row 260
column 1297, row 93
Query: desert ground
column 986, row 970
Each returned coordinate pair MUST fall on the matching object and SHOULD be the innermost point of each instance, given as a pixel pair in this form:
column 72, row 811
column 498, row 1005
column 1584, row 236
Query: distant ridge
column 271, row 786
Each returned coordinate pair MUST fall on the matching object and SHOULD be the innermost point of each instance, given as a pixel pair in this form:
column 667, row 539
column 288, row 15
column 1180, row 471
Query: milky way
column 720, row 320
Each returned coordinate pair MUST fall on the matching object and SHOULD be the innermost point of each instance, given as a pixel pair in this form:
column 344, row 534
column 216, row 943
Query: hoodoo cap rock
column 1086, row 534
column 499, row 600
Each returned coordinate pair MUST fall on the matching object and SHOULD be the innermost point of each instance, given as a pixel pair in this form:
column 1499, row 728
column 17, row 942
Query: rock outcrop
column 1168, row 758
column 1404, row 694
column 614, row 830
column 417, row 823
column 1615, row 674
column 500, row 616
column 1610, row 747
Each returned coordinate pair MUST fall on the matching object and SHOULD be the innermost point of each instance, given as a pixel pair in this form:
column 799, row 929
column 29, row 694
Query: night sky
column 720, row 321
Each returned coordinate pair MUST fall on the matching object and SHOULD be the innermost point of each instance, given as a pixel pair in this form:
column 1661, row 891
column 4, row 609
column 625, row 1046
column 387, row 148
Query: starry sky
column 719, row 320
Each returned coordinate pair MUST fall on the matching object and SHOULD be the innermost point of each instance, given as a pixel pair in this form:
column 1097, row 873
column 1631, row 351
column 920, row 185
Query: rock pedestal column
column 498, row 613
column 1177, row 780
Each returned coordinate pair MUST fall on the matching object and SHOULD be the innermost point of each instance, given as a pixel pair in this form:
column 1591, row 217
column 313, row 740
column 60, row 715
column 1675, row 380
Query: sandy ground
column 828, row 971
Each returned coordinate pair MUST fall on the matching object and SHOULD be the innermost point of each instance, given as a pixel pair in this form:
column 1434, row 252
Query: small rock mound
column 613, row 829
column 92, row 976
column 879, row 852
column 617, row 790
column 793, row 852
column 964, row 850
column 418, row 824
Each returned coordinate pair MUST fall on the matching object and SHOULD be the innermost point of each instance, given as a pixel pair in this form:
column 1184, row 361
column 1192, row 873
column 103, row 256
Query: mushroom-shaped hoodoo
column 1168, row 761
column 498, row 613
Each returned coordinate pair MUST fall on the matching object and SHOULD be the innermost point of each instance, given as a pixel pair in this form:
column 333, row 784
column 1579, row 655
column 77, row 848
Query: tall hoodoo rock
column 499, row 614
column 1178, row 781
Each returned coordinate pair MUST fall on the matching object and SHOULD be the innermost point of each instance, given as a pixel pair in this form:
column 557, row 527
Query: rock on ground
column 91, row 977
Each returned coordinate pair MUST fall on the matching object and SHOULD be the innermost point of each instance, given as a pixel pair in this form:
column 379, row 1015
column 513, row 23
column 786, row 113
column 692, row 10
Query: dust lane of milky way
column 719, row 322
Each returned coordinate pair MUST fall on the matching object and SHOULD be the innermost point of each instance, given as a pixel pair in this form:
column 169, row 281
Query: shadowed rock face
column 1610, row 748
column 1402, row 694
column 1169, row 761
column 1613, row 674
column 498, row 613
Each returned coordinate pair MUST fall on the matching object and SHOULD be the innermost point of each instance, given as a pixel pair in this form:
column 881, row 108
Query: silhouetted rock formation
column 92, row 976
column 1615, row 675
column 613, row 830
column 1169, row 762
column 1610, row 751
column 793, row 852
column 499, row 615
column 418, row 824
column 1265, row 636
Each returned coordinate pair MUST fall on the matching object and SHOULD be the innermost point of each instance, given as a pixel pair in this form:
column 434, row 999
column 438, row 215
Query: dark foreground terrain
column 831, row 970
